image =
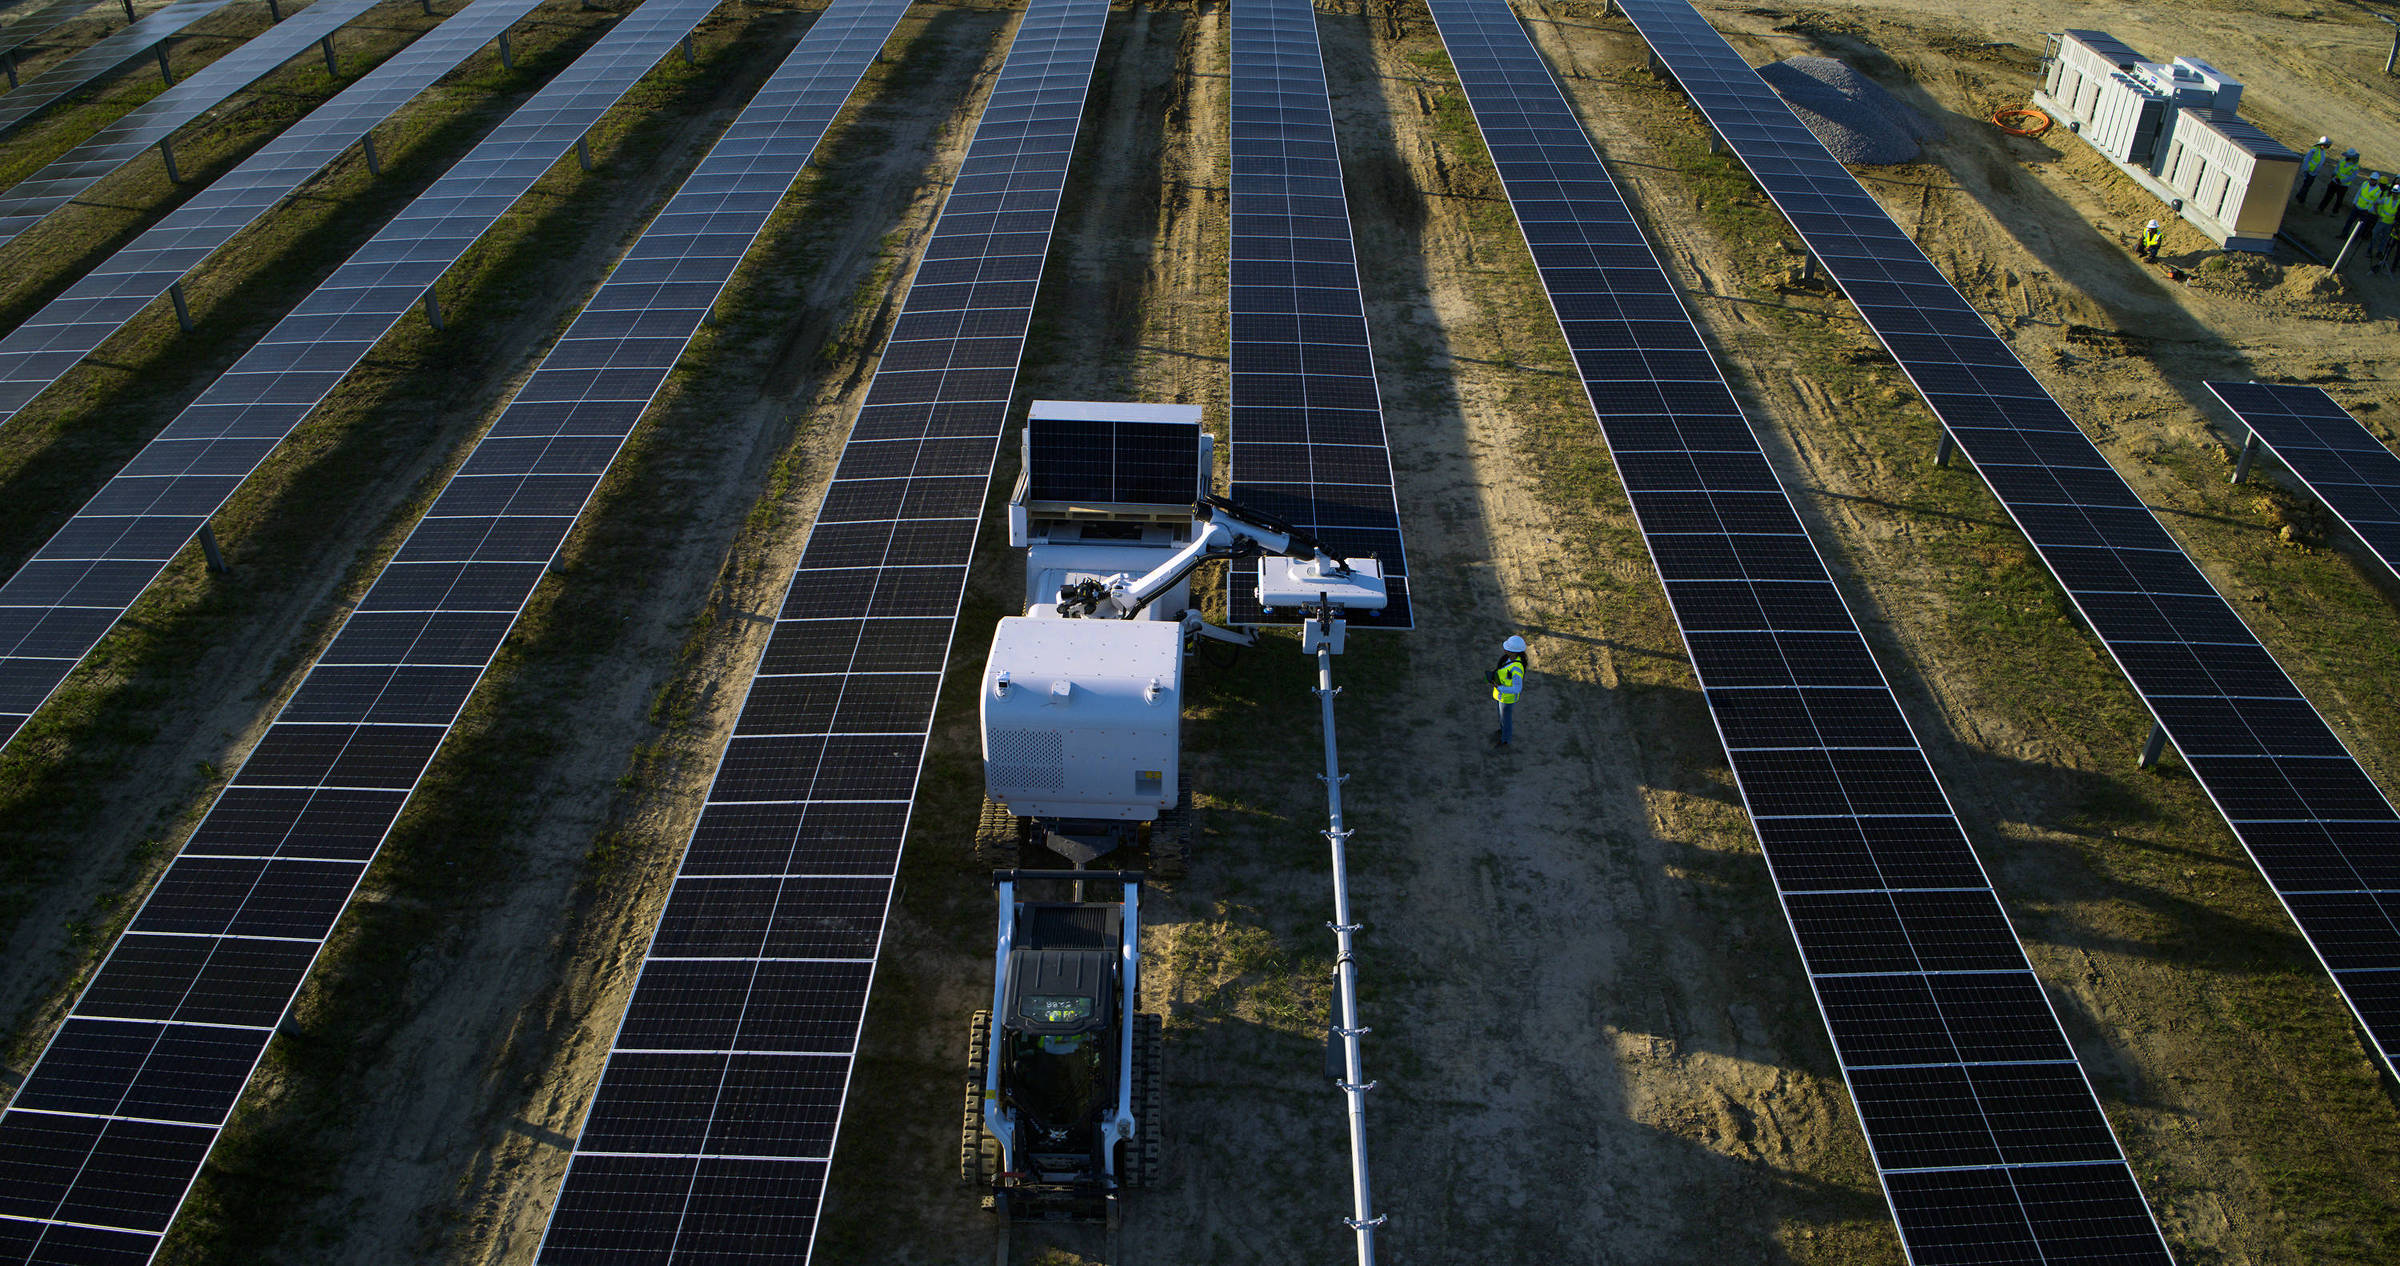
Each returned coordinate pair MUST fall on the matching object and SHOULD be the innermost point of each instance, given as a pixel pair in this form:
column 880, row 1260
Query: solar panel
column 1306, row 422
column 40, row 92
column 150, row 1062
column 2318, row 827
column 714, row 1123
column 59, row 604
column 60, row 181
column 1988, row 1138
column 68, row 328
column 1086, row 455
column 24, row 28
column 2339, row 462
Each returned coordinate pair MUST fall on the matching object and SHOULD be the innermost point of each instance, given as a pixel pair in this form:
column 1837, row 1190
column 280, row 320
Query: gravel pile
column 1850, row 113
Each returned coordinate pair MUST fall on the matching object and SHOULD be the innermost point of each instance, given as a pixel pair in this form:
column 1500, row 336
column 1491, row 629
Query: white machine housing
column 1083, row 718
column 1089, row 722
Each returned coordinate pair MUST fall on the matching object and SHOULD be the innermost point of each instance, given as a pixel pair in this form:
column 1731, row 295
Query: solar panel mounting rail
column 47, row 88
column 713, row 1127
column 1986, row 1134
column 70, row 327
column 2332, row 455
column 2295, row 796
column 114, row 1120
column 1306, row 423
column 155, row 122
column 75, row 588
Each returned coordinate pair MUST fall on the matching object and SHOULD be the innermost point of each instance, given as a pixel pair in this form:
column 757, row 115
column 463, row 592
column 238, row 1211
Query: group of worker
column 2370, row 199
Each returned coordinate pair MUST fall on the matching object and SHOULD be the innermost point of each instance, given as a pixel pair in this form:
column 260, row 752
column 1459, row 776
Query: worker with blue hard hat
column 2345, row 181
column 1508, row 681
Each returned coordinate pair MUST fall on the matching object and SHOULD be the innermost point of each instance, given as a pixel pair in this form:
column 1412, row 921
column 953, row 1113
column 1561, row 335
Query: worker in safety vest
column 2152, row 235
column 2363, row 201
column 2345, row 180
column 2309, row 165
column 2387, row 210
column 1508, row 681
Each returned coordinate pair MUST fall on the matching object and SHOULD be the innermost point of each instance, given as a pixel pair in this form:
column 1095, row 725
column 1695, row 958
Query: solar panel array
column 2296, row 798
column 60, row 181
column 1090, row 461
column 709, row 1137
column 68, row 328
column 2340, row 463
column 59, row 605
column 1989, row 1140
column 40, row 92
column 114, row 1120
column 24, row 28
column 1306, row 423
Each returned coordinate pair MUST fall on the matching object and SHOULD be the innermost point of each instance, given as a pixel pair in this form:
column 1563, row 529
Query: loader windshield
column 1058, row 1078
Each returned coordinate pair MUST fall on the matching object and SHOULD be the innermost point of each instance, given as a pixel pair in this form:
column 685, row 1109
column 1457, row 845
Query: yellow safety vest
column 2152, row 237
column 2345, row 171
column 2315, row 159
column 1510, row 679
column 2387, row 209
column 2366, row 197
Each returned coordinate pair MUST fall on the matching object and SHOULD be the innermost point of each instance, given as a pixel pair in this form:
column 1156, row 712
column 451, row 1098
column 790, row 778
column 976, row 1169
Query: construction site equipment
column 1081, row 699
column 1064, row 1083
column 2021, row 121
column 2172, row 127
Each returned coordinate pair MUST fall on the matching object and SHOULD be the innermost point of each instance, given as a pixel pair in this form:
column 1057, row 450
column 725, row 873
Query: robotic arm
column 1228, row 531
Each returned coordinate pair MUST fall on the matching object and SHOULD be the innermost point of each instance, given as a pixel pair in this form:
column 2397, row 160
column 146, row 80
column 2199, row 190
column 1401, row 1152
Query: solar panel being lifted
column 714, row 1124
column 68, row 328
column 25, row 203
column 40, row 92
column 2296, row 798
column 1306, row 422
column 1097, row 460
column 150, row 1062
column 2339, row 462
column 1988, row 1139
column 59, row 604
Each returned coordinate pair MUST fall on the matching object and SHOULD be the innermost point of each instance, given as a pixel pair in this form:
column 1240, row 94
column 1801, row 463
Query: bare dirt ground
column 1593, row 1036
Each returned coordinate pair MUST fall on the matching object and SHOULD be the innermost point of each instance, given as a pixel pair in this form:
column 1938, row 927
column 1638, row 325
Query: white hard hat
column 1514, row 643
column 2324, row 140
column 2151, row 225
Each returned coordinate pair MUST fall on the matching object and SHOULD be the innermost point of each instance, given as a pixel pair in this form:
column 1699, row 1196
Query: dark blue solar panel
column 63, row 179
column 1306, row 422
column 710, row 1134
column 2335, row 458
column 260, row 883
column 1957, row 1066
column 77, row 585
column 40, row 92
column 2274, row 768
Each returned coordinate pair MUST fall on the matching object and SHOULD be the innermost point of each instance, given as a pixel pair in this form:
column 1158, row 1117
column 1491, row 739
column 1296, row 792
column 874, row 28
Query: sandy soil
column 1592, row 1033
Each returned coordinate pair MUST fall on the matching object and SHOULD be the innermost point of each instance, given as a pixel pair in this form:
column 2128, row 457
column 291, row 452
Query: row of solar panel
column 1989, row 1141
column 1306, row 423
column 2278, row 773
column 714, row 1121
column 182, row 1007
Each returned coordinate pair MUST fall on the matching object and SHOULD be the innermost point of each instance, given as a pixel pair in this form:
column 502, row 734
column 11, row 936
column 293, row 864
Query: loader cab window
column 1058, row 1078
column 1055, row 1009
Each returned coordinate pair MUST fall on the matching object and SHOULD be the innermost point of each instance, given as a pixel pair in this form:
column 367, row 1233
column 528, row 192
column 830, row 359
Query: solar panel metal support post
column 1363, row 1219
column 129, row 9
column 688, row 59
column 165, row 71
column 1943, row 449
column 508, row 60
column 209, row 550
column 274, row 11
column 2154, row 746
column 583, row 152
column 433, row 309
column 166, row 154
column 183, row 312
column 2241, row 464
column 366, row 146
column 9, row 64
column 332, row 67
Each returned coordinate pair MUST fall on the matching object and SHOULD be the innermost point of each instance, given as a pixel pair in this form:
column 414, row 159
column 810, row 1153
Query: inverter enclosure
column 1083, row 718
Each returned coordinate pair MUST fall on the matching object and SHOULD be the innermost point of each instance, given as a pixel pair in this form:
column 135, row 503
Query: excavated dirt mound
column 1853, row 115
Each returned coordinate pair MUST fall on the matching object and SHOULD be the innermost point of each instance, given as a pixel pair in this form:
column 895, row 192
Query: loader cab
column 1056, row 1039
